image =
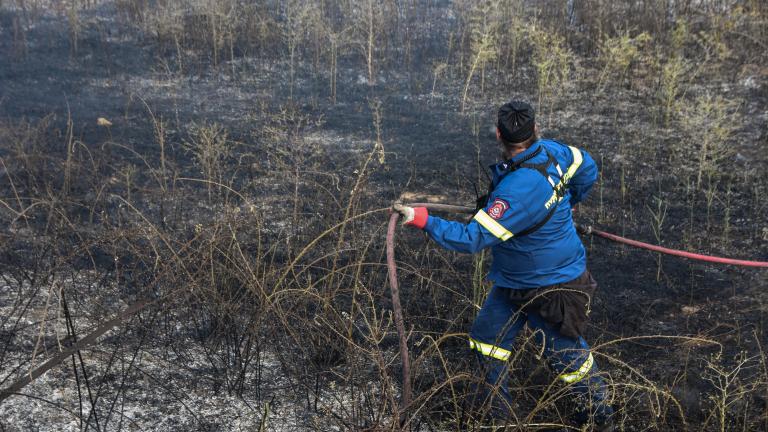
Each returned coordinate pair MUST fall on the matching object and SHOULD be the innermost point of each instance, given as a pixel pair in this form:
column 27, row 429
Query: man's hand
column 412, row 216
column 407, row 213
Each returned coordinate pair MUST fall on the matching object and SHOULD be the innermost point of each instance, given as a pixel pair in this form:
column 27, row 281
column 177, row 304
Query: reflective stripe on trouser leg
column 589, row 392
column 491, row 339
column 575, row 366
column 580, row 373
column 489, row 350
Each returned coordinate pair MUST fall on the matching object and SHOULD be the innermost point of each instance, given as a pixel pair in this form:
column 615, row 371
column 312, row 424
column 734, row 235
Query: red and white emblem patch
column 497, row 209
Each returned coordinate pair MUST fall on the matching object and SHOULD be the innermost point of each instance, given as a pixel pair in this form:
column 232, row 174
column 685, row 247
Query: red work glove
column 412, row 216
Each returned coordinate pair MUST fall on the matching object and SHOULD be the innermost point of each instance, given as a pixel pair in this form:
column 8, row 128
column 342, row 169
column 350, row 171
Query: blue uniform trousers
column 492, row 337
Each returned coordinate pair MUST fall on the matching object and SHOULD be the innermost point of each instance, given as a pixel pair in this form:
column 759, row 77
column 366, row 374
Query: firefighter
column 539, row 270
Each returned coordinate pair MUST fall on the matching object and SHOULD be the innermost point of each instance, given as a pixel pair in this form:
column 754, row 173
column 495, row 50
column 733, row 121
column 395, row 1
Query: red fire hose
column 699, row 257
column 398, row 310
column 583, row 229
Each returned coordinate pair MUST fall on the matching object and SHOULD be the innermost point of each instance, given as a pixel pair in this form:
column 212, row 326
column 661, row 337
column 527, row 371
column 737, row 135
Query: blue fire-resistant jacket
column 520, row 199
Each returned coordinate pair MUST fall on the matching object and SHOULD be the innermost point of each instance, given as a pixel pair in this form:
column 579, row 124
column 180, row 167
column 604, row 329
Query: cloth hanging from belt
column 564, row 306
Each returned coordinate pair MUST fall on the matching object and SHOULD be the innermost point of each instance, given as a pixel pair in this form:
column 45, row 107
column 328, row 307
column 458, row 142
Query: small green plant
column 727, row 204
column 337, row 40
column 511, row 15
column 729, row 387
column 679, row 37
column 483, row 51
column 366, row 31
column 483, row 38
column 658, row 214
column 713, row 39
column 264, row 418
column 710, row 122
column 437, row 71
column 554, row 62
column 298, row 19
column 479, row 286
column 75, row 27
column 676, row 72
column 129, row 174
column 370, row 39
column 673, row 74
column 618, row 54
column 690, row 199
column 209, row 146
column 711, row 193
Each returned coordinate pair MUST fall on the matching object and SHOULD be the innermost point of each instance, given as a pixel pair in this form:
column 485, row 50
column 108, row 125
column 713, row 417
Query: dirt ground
column 677, row 342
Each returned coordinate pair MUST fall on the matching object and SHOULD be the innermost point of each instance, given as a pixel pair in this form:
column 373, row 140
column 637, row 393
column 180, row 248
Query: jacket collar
column 500, row 169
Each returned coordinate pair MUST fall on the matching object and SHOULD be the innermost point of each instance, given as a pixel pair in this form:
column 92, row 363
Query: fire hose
column 582, row 229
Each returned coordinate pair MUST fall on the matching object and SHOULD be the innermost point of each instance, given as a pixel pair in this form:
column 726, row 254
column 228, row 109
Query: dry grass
column 255, row 251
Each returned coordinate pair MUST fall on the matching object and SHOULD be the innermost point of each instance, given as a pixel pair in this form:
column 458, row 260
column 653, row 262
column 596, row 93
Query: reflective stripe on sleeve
column 577, row 160
column 492, row 226
column 490, row 350
column 578, row 375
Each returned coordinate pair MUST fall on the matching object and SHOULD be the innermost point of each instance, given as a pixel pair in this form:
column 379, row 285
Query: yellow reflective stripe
column 578, row 375
column 495, row 228
column 551, row 200
column 490, row 350
column 577, row 160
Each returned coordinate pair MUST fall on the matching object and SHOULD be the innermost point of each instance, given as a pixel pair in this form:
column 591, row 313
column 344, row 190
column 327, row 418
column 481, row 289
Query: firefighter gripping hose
column 539, row 269
column 451, row 208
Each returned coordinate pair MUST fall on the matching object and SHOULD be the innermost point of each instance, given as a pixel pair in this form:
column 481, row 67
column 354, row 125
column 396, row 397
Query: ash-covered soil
column 212, row 224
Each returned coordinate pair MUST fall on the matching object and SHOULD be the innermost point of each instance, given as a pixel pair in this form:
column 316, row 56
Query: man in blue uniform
column 539, row 270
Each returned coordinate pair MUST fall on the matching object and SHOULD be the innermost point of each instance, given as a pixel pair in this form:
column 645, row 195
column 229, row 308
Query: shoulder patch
column 498, row 208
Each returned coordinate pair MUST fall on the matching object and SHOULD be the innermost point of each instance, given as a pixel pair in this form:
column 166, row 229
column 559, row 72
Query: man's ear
column 498, row 133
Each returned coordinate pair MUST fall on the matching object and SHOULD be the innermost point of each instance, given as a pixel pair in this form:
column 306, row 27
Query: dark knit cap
column 516, row 121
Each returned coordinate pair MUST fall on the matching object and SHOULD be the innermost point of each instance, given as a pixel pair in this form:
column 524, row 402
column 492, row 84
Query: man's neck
column 512, row 152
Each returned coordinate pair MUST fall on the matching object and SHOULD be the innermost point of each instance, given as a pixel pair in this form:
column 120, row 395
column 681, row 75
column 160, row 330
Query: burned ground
column 241, row 181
